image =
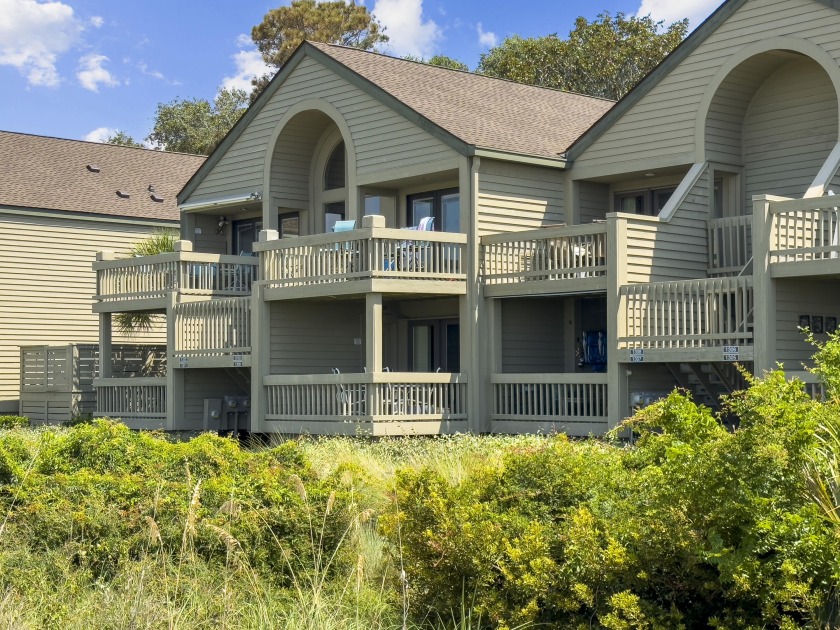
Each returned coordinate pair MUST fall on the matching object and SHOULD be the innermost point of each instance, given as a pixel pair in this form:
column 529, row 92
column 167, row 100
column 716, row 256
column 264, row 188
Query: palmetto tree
column 160, row 241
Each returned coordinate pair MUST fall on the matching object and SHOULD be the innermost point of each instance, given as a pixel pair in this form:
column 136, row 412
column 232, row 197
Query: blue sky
column 84, row 68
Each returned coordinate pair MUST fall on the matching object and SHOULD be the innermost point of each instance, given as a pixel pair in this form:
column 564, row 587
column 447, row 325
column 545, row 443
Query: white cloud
column 97, row 21
column 155, row 74
column 33, row 35
column 249, row 64
column 404, row 24
column 92, row 73
column 487, row 39
column 100, row 134
column 695, row 10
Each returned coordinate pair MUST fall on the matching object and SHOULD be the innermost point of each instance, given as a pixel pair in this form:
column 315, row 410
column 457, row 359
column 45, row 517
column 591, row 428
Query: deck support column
column 373, row 332
column 618, row 396
column 106, row 354
column 260, row 356
column 764, row 288
column 174, row 376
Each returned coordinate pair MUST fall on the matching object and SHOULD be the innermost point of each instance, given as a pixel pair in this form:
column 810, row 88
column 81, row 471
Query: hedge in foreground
column 694, row 526
column 10, row 422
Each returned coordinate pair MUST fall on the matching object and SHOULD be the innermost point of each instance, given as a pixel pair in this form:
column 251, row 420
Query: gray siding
column 802, row 297
column 314, row 337
column 205, row 383
column 47, row 284
column 208, row 242
column 532, row 336
column 594, row 201
column 514, row 197
column 677, row 250
column 383, row 139
column 789, row 130
column 661, row 125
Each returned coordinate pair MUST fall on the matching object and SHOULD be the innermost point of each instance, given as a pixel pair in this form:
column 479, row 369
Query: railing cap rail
column 727, row 282
column 190, row 257
column 800, row 205
column 585, row 378
column 361, row 234
column 137, row 380
column 366, row 378
column 539, row 234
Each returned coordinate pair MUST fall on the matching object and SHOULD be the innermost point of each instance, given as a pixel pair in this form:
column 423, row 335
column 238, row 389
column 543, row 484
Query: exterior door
column 435, row 345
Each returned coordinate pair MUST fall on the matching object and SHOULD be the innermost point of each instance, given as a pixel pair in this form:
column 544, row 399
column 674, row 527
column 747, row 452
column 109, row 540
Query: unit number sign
column 637, row 355
column 730, row 353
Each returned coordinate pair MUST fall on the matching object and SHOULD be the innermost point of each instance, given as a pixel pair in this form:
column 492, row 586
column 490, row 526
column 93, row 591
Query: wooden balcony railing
column 706, row 313
column 812, row 383
column 730, row 245
column 803, row 230
column 557, row 253
column 383, row 403
column 132, row 399
column 150, row 277
column 362, row 254
column 212, row 328
column 568, row 403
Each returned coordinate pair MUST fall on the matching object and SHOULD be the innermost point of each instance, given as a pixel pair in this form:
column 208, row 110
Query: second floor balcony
column 371, row 259
column 144, row 283
column 549, row 260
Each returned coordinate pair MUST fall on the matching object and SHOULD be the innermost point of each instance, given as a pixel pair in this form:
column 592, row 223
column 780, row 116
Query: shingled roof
column 58, row 174
column 482, row 111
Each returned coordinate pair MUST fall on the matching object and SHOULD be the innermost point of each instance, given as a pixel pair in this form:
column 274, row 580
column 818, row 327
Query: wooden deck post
column 174, row 377
column 764, row 287
column 106, row 369
column 618, row 395
column 260, row 357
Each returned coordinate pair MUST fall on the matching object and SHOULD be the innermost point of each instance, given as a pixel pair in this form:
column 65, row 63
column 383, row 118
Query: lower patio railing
column 136, row 401
column 212, row 328
column 382, row 403
column 575, row 404
column 813, row 385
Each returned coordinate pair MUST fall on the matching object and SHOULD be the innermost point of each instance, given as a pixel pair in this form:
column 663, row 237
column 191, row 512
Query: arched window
column 334, row 173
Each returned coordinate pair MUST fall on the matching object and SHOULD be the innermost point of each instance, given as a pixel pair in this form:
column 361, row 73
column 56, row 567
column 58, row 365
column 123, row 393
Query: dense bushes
column 695, row 526
column 10, row 422
column 692, row 526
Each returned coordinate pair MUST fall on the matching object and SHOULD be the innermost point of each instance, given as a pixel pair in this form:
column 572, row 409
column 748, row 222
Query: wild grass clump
column 693, row 526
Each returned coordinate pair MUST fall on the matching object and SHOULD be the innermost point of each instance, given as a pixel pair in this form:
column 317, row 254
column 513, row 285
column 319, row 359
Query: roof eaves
column 522, row 158
column 242, row 123
column 389, row 100
column 686, row 47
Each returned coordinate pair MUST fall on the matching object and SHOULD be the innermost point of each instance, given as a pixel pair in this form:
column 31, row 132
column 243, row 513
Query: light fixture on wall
column 223, row 221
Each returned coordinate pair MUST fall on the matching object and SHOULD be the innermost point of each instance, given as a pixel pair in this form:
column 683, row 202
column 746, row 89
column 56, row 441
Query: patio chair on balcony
column 351, row 403
column 413, row 255
column 340, row 257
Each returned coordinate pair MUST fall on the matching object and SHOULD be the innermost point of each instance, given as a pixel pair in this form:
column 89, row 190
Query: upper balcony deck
column 366, row 260
column 563, row 259
column 143, row 284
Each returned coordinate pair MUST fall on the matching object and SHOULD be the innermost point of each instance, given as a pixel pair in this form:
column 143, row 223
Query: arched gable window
column 334, row 173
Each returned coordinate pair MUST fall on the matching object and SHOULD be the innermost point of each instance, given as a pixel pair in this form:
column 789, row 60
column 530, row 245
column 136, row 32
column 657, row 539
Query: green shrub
column 10, row 422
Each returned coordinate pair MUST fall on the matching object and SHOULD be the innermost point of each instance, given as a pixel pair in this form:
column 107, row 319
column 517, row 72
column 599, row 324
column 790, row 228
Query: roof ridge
column 467, row 72
column 103, row 144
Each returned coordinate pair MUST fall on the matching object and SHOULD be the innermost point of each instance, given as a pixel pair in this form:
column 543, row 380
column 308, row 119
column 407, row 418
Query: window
column 650, row 202
column 725, row 197
column 435, row 344
column 443, row 205
column 245, row 233
column 334, row 176
column 289, row 224
column 333, row 212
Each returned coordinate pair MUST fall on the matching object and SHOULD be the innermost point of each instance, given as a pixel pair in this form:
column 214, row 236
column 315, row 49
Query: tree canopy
column 283, row 29
column 122, row 139
column 440, row 60
column 605, row 57
column 197, row 125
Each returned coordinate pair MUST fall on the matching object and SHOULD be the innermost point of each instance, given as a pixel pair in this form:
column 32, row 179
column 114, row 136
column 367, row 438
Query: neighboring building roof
column 55, row 174
column 483, row 112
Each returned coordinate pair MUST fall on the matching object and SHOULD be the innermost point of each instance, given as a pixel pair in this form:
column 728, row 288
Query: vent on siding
column 156, row 198
column 93, row 168
column 123, row 195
